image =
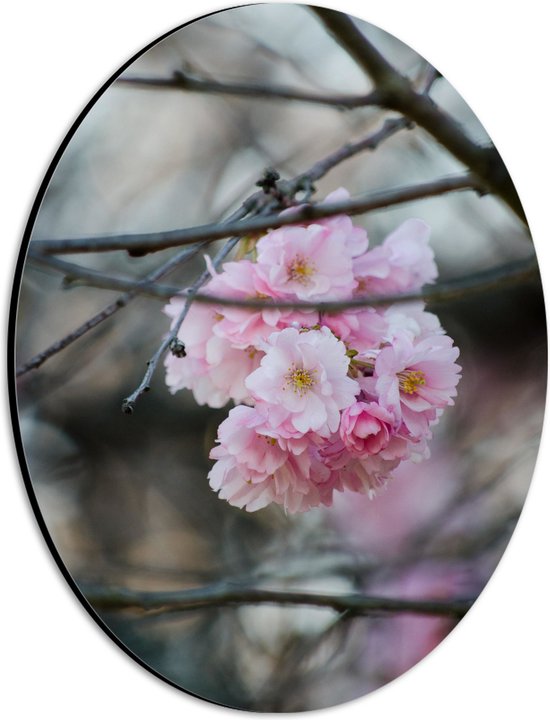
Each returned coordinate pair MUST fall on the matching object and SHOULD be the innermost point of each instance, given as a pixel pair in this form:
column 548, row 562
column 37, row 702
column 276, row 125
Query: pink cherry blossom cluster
column 324, row 402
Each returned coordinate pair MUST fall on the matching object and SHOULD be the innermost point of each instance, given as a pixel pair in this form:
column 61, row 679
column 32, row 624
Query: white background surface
column 55, row 55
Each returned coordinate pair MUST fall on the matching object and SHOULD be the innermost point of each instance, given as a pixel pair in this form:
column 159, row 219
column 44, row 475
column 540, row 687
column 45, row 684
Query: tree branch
column 509, row 274
column 171, row 342
column 303, row 181
column 515, row 272
column 390, row 127
column 227, row 594
column 134, row 289
column 186, row 254
column 183, row 80
column 396, row 92
column 153, row 242
column 77, row 275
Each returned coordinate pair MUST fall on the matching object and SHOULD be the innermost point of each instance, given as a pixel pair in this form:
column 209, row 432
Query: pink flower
column 366, row 428
column 252, row 470
column 343, row 231
column 192, row 371
column 244, row 327
column 302, row 383
column 360, row 329
column 367, row 475
column 316, row 424
column 403, row 262
column 412, row 318
column 354, row 238
column 310, row 263
column 415, row 381
column 213, row 369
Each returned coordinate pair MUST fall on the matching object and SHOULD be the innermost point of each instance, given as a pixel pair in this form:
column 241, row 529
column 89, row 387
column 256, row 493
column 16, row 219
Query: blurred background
column 126, row 499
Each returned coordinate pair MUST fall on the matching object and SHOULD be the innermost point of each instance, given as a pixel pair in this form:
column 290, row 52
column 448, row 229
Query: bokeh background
column 126, row 500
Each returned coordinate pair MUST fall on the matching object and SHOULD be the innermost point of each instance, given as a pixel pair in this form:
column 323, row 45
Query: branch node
column 136, row 252
column 307, row 211
column 177, row 348
column 268, row 182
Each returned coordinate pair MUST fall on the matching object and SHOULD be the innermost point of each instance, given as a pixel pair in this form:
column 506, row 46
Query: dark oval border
column 11, row 363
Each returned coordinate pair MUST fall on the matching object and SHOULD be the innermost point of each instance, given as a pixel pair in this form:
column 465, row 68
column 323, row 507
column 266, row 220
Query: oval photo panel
column 268, row 410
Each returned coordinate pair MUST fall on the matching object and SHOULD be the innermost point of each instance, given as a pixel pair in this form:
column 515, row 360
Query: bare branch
column 135, row 288
column 77, row 275
column 305, row 180
column 396, row 92
column 389, row 128
column 37, row 360
column 153, row 242
column 429, row 77
column 128, row 403
column 509, row 274
column 224, row 594
column 512, row 273
column 183, row 80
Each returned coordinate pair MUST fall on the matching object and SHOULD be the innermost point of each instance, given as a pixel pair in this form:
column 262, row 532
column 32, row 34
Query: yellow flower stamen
column 411, row 380
column 301, row 269
column 300, row 380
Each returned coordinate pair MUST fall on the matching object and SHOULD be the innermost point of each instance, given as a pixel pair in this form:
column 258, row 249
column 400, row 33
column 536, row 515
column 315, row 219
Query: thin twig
column 183, row 80
column 37, row 360
column 390, row 127
column 186, row 254
column 224, row 594
column 396, row 92
column 511, row 273
column 128, row 403
column 78, row 276
column 153, row 242
column 305, row 179
column 134, row 289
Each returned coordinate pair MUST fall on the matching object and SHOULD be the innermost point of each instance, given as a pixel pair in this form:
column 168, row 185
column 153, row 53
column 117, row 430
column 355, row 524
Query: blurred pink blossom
column 396, row 644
